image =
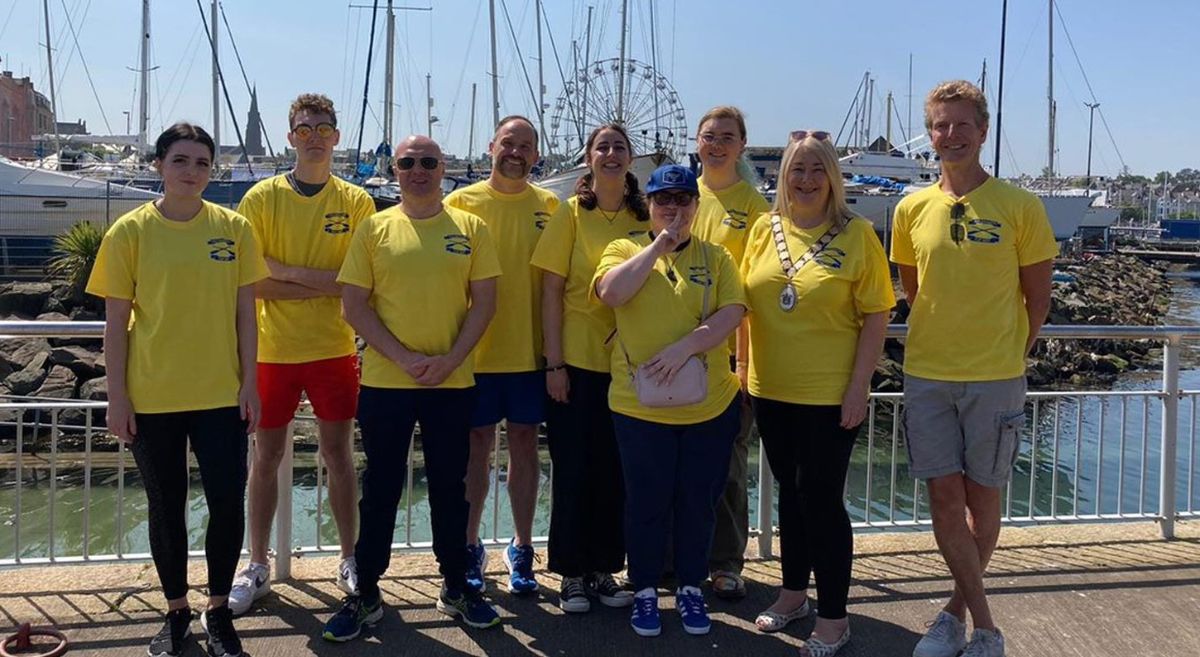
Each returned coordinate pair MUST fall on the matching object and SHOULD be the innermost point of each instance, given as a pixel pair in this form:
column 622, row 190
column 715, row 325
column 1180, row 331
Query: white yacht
column 43, row 203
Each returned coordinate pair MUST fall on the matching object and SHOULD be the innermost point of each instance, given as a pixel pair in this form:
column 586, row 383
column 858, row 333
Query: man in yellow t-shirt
column 729, row 208
column 304, row 220
column 419, row 286
column 509, row 382
column 975, row 256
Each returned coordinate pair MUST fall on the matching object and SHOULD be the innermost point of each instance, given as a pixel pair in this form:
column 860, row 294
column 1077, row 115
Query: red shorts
column 331, row 386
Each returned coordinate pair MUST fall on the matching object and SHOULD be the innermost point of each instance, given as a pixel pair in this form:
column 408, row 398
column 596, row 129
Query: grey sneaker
column 946, row 637
column 985, row 643
column 249, row 585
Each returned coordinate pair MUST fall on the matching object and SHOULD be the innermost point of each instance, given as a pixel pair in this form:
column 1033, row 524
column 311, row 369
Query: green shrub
column 74, row 254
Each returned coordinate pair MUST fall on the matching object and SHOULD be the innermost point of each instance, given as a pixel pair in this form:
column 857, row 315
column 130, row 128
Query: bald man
column 419, row 286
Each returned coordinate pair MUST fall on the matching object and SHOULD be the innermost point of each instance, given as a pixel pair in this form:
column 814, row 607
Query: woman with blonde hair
column 819, row 292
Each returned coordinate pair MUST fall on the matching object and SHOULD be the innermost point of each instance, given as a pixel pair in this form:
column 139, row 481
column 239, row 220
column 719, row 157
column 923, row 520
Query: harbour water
column 1088, row 455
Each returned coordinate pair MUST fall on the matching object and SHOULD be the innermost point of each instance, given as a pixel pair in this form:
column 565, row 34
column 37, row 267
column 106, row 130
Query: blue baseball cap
column 672, row 176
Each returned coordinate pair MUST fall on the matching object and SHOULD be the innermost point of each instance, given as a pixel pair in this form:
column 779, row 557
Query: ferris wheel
column 649, row 108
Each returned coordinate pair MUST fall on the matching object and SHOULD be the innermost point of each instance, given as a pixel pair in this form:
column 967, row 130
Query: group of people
column 648, row 329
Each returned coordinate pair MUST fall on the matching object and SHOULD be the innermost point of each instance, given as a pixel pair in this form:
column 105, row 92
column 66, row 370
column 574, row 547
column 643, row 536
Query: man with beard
column 509, row 380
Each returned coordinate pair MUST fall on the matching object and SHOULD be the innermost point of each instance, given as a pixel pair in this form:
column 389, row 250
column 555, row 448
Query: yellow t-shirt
column 661, row 313
column 419, row 272
column 725, row 217
column 806, row 356
column 968, row 322
column 183, row 278
column 312, row 232
column 571, row 247
column 513, row 341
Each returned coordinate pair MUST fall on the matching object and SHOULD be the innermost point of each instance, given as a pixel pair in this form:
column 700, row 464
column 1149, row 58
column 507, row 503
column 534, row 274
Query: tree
column 1133, row 214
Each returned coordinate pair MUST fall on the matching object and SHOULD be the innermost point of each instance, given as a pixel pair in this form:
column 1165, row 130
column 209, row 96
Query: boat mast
column 50, row 68
column 621, row 65
column 216, row 90
column 144, row 91
column 429, row 105
column 910, row 132
column 471, row 132
column 1050, row 98
column 889, row 122
column 587, row 77
column 541, row 108
column 388, row 76
column 495, row 69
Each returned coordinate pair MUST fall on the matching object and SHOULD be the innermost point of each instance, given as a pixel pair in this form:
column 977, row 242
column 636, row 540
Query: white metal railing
column 1073, row 444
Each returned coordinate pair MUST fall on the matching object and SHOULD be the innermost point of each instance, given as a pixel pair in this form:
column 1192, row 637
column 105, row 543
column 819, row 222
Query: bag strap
column 785, row 257
column 703, row 308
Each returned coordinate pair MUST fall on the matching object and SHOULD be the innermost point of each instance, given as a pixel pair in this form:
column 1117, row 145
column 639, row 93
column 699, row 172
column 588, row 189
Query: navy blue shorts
column 519, row 397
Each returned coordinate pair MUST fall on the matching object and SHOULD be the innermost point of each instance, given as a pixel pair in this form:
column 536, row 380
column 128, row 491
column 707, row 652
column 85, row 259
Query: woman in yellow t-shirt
column 676, row 300
column 819, row 290
column 183, row 371
column 587, row 544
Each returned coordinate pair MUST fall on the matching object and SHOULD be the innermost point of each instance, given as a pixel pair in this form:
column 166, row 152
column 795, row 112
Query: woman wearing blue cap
column 676, row 300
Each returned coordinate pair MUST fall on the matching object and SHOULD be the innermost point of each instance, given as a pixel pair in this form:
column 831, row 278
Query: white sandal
column 771, row 621
column 817, row 648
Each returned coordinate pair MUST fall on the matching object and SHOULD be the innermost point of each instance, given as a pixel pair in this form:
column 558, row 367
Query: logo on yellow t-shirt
column 458, row 244
column 700, row 276
column 831, row 258
column 222, row 249
column 735, row 220
column 984, row 231
column 540, row 219
column 337, row 223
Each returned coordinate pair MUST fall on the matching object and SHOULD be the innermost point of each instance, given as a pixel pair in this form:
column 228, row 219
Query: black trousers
column 218, row 439
column 809, row 455
column 386, row 418
column 587, row 532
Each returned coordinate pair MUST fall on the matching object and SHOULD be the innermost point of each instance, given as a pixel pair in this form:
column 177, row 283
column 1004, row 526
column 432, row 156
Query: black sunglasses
column 679, row 199
column 406, row 163
column 957, row 230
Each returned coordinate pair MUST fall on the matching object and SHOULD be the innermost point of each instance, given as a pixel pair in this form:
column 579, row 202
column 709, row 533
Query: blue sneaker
column 519, row 559
column 476, row 564
column 348, row 622
column 471, row 607
column 645, row 619
column 690, row 603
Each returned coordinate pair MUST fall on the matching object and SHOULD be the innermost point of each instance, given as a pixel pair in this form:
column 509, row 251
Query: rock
column 85, row 363
column 53, row 317
column 19, row 351
column 59, row 383
column 30, row 378
column 55, row 305
column 81, row 314
column 24, row 298
column 94, row 389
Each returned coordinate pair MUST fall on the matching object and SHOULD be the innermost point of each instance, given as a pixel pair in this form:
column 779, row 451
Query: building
column 73, row 128
column 23, row 113
column 254, row 144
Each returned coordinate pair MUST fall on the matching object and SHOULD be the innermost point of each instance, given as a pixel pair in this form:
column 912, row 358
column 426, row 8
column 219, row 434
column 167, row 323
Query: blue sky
column 787, row 63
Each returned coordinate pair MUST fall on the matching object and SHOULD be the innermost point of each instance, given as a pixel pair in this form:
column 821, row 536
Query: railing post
column 283, row 512
column 1170, row 435
column 766, row 494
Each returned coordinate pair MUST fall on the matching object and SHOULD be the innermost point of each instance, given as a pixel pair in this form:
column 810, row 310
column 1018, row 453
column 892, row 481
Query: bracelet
column 555, row 368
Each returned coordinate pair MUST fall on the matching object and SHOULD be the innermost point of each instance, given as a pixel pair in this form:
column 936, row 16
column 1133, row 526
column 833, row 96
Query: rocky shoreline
column 1111, row 289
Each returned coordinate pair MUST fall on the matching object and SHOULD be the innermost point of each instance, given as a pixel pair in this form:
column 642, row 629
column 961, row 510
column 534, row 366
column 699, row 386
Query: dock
column 1056, row 591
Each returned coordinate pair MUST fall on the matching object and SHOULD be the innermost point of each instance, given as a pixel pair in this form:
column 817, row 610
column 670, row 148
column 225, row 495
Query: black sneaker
column 573, row 597
column 604, row 586
column 222, row 639
column 172, row 638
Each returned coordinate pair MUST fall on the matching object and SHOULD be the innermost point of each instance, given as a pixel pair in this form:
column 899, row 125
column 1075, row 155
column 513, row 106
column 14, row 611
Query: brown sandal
column 728, row 585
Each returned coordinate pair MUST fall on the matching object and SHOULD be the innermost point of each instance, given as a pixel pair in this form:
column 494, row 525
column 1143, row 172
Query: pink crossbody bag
column 690, row 385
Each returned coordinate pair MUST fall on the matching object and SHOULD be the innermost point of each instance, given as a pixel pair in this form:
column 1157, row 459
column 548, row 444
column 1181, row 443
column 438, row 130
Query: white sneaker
column 250, row 584
column 985, row 643
column 946, row 637
column 347, row 576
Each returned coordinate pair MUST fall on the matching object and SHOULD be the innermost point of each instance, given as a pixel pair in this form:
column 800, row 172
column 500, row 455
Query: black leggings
column 809, row 454
column 218, row 438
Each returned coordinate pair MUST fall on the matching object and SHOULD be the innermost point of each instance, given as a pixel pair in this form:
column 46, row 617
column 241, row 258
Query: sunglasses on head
column 957, row 230
column 801, row 135
column 323, row 130
column 427, row 162
column 680, row 198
